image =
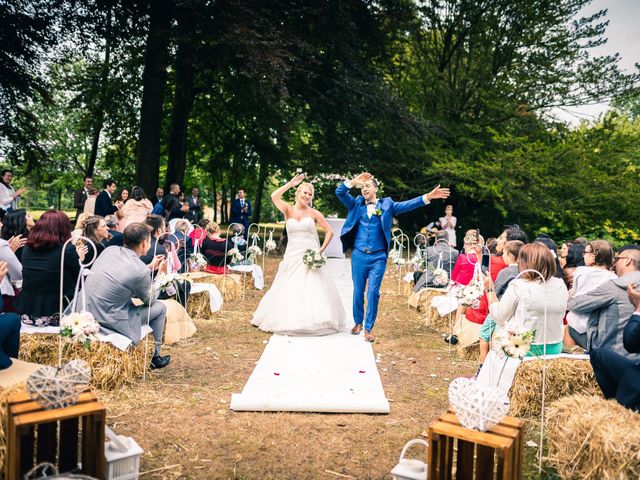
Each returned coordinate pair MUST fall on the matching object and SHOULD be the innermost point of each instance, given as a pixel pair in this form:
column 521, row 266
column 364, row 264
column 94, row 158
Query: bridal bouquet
column 235, row 255
column 469, row 295
column 197, row 261
column 440, row 277
column 79, row 327
column 167, row 282
column 514, row 340
column 313, row 259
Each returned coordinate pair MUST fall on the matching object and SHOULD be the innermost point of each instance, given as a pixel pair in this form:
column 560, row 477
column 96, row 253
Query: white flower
column 254, row 251
column 270, row 245
column 79, row 327
column 440, row 277
column 235, row 255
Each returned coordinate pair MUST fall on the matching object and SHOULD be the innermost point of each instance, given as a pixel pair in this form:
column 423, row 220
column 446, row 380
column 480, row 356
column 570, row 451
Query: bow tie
column 371, row 203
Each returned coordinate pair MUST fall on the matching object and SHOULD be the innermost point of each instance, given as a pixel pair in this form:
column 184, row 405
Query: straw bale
column 590, row 437
column 564, row 377
column 433, row 319
column 110, row 367
column 470, row 352
column 232, row 284
column 5, row 393
column 199, row 306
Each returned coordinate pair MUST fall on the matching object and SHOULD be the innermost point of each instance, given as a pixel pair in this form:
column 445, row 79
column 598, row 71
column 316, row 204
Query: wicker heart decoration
column 53, row 387
column 476, row 407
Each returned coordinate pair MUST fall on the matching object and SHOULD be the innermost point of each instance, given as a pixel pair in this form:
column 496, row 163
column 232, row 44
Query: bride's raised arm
column 328, row 232
column 276, row 196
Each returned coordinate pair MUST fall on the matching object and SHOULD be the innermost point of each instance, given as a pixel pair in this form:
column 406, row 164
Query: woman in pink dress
column 136, row 208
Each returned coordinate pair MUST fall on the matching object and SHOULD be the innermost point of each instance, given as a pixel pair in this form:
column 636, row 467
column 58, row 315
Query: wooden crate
column 65, row 437
column 496, row 454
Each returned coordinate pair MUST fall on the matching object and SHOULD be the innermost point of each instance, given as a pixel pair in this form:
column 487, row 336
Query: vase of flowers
column 79, row 327
column 440, row 277
column 253, row 251
column 236, row 255
column 197, row 262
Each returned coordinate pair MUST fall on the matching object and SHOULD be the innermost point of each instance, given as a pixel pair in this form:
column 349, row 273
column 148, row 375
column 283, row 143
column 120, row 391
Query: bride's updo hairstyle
column 304, row 185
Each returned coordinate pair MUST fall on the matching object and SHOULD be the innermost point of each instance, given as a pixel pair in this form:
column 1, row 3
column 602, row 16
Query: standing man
column 80, row 196
column 104, row 206
column 195, row 207
column 159, row 196
column 367, row 231
column 241, row 211
column 172, row 204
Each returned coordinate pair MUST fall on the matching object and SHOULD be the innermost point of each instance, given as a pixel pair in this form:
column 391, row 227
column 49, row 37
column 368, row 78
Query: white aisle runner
column 334, row 373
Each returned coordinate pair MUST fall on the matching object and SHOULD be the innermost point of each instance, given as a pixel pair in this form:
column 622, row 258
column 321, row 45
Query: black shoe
column 160, row 361
column 452, row 339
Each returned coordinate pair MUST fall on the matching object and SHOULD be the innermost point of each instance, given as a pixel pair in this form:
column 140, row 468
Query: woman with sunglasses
column 598, row 260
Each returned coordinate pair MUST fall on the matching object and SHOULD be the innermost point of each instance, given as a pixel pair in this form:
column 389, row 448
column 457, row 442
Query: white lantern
column 410, row 468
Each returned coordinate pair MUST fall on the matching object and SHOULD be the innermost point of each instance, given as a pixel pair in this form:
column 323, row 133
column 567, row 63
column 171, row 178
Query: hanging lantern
column 410, row 468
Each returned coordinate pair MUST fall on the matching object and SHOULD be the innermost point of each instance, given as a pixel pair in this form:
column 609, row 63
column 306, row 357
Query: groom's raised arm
column 342, row 192
column 408, row 205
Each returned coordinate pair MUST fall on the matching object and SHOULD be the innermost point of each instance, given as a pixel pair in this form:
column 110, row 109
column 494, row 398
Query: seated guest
column 564, row 251
column 16, row 225
column 198, row 234
column 115, row 237
column 95, row 229
column 214, row 248
column 136, row 208
column 159, row 246
column 510, row 253
column 465, row 264
column 553, row 248
column 12, row 279
column 619, row 377
column 598, row 259
column 528, row 300
column 118, row 276
column 9, row 330
column 608, row 305
column 440, row 253
column 184, row 246
column 39, row 300
column 79, row 227
column 575, row 259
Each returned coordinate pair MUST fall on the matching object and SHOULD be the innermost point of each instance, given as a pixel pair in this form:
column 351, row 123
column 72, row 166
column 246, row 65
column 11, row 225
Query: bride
column 300, row 301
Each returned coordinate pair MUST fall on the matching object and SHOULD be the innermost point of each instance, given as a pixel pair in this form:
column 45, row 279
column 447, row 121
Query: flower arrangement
column 514, row 340
column 166, row 282
column 440, row 277
column 417, row 263
column 377, row 212
column 469, row 295
column 235, row 255
column 197, row 261
column 313, row 259
column 79, row 327
column 270, row 245
column 254, row 251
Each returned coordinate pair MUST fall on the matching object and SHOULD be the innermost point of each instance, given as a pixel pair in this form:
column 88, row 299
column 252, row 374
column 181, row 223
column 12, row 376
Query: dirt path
column 181, row 415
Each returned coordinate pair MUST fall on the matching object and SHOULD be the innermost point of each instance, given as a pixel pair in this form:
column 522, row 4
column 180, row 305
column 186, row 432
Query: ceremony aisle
column 333, row 373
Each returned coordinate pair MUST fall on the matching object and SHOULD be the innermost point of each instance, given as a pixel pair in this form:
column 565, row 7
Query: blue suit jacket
column 236, row 211
column 356, row 208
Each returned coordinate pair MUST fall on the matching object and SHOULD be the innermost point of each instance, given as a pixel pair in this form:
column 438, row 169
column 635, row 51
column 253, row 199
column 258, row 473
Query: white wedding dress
column 300, row 301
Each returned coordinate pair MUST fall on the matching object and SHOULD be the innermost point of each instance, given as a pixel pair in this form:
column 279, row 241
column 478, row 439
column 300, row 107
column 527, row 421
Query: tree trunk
column 215, row 195
column 102, row 103
column 153, row 79
column 223, row 205
column 182, row 104
column 262, row 178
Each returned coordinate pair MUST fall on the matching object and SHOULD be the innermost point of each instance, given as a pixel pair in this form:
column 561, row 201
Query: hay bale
column 232, row 284
column 433, row 320
column 110, row 367
column 565, row 376
column 5, row 393
column 590, row 437
column 470, row 352
column 199, row 306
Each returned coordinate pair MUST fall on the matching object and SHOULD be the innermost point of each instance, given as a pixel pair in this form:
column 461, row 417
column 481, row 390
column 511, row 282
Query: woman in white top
column 598, row 260
column 8, row 196
column 448, row 224
column 529, row 294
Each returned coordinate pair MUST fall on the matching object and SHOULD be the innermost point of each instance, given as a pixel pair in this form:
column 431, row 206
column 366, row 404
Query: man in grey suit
column 433, row 253
column 118, row 276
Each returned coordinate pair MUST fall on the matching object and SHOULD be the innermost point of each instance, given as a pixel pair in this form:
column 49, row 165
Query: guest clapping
column 9, row 197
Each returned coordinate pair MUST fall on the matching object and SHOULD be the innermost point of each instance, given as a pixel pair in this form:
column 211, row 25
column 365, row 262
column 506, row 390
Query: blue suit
column 369, row 239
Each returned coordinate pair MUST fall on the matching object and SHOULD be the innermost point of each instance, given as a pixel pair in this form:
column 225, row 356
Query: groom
column 367, row 232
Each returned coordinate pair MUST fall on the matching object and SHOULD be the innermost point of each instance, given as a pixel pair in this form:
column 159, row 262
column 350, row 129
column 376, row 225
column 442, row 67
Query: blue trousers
column 367, row 270
column 9, row 338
